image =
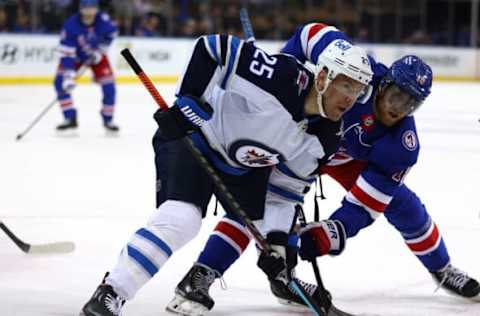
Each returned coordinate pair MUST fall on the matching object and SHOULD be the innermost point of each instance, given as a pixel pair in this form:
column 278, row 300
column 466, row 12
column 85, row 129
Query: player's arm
column 211, row 63
column 310, row 40
column 390, row 160
column 67, row 49
column 111, row 32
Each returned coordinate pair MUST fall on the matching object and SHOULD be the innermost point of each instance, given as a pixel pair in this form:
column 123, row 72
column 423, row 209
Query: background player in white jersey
column 85, row 39
column 244, row 110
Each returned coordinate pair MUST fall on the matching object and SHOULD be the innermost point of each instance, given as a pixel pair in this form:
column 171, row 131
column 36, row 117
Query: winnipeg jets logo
column 254, row 158
column 302, row 81
column 253, row 154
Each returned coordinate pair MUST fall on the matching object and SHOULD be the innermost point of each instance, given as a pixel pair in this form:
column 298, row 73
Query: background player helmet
column 88, row 3
column 412, row 76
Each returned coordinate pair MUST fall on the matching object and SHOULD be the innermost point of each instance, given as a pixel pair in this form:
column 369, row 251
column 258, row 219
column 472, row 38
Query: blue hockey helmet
column 412, row 76
column 88, row 3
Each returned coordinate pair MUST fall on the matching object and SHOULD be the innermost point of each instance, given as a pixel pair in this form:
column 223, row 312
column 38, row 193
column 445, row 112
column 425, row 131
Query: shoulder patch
column 409, row 140
column 252, row 154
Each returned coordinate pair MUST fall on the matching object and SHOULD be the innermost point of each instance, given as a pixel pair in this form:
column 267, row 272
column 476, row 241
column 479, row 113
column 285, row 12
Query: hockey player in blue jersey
column 245, row 110
column 379, row 146
column 85, row 39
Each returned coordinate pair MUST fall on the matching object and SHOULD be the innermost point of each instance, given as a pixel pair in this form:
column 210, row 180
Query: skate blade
column 181, row 306
column 293, row 305
column 111, row 134
column 70, row 133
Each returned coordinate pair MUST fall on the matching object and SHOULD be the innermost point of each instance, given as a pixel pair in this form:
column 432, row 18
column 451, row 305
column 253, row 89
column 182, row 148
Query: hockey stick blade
column 54, row 247
column 48, row 248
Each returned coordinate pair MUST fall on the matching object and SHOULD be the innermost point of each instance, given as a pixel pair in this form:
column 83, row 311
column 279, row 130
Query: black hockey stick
column 229, row 199
column 47, row 248
column 80, row 72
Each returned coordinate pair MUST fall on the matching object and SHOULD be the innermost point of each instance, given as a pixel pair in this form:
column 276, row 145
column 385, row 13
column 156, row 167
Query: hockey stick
column 246, row 25
column 80, row 72
column 230, row 200
column 48, row 248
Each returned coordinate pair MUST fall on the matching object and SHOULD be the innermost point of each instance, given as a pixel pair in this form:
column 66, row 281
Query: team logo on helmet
column 253, row 154
column 422, row 79
column 409, row 140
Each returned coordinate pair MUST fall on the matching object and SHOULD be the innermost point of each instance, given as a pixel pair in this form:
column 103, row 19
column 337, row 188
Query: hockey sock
column 225, row 245
column 171, row 226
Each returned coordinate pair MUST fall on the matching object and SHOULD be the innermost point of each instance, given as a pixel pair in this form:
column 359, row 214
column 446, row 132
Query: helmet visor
column 400, row 101
column 352, row 90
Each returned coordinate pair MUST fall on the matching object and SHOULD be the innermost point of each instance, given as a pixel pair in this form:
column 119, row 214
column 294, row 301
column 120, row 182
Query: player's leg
column 66, row 103
column 104, row 76
column 177, row 220
column 422, row 236
column 224, row 246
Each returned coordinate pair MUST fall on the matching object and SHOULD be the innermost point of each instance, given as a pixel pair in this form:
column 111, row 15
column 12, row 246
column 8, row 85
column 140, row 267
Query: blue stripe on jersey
column 157, row 241
column 324, row 42
column 214, row 158
column 234, row 44
column 212, row 43
column 148, row 265
column 285, row 170
column 284, row 193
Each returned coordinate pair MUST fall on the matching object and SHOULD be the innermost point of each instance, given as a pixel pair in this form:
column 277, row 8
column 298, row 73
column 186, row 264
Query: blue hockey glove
column 321, row 238
column 185, row 117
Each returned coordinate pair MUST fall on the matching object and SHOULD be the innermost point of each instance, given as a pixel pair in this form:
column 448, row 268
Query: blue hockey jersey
column 79, row 41
column 389, row 151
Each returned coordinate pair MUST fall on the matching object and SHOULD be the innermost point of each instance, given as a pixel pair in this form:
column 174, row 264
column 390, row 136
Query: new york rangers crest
column 409, row 140
column 302, row 81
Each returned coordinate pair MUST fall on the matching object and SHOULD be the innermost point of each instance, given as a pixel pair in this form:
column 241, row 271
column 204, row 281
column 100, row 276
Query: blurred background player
column 85, row 39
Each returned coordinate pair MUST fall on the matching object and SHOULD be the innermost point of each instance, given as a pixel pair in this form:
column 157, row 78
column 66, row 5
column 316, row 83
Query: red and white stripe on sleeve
column 311, row 34
column 370, row 198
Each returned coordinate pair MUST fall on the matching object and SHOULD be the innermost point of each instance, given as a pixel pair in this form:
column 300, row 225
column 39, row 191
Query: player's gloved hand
column 186, row 116
column 68, row 83
column 274, row 263
column 95, row 57
column 321, row 238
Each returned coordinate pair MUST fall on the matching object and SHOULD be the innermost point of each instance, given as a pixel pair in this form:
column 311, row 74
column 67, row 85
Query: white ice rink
column 96, row 191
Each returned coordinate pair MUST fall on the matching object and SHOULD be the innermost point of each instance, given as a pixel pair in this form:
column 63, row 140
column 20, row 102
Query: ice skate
column 68, row 128
column 191, row 295
column 104, row 302
column 457, row 282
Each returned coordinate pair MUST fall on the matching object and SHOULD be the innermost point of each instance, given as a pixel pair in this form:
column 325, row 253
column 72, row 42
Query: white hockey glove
column 68, row 83
column 95, row 57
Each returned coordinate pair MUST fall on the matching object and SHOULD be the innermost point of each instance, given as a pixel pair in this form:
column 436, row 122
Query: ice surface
column 96, row 190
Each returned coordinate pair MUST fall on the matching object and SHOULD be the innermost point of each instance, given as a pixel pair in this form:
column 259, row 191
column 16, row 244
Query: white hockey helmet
column 342, row 57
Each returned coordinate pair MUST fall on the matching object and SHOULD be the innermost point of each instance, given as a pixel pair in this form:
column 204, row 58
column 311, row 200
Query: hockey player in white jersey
column 244, row 109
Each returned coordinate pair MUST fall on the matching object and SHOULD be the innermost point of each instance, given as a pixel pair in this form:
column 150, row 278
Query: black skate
column 104, row 302
column 457, row 282
column 191, row 295
column 289, row 297
column 111, row 128
column 68, row 124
